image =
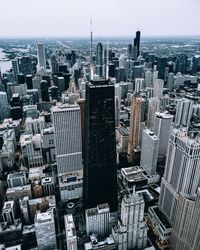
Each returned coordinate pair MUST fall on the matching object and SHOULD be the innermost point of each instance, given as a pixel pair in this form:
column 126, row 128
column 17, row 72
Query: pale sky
column 48, row 18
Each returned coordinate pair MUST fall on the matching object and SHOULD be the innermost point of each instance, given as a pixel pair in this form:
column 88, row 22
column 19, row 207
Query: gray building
column 149, row 151
column 182, row 171
column 98, row 220
column 70, row 232
column 45, row 230
column 186, row 229
column 184, row 109
column 162, row 129
column 4, row 106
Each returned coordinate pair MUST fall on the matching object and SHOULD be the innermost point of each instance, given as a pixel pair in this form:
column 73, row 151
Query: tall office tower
column 81, row 103
column 67, row 124
column 54, row 64
column 184, row 108
column 48, row 188
column 132, row 226
column 29, row 81
column 99, row 60
column 70, row 231
column 158, row 88
column 137, row 42
column 153, row 107
column 186, row 229
column 61, row 84
column 100, row 171
column 170, row 81
column 139, row 85
column 149, row 151
column 45, row 230
column 98, row 220
column 181, row 63
column 15, row 66
column 4, row 106
column 162, row 61
column 129, row 51
column 182, row 171
column 148, row 78
column 41, row 55
column 162, row 129
column 136, row 126
column 44, row 91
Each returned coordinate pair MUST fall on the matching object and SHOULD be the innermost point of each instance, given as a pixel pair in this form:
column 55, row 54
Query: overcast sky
column 110, row 17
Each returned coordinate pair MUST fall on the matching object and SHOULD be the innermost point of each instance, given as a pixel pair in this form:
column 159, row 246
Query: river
column 4, row 65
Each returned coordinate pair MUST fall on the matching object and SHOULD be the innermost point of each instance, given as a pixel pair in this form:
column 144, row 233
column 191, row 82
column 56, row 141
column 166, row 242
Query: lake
column 4, row 65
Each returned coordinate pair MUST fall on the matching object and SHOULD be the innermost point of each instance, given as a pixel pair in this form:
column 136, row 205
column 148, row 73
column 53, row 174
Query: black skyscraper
column 100, row 174
column 44, row 91
column 138, row 42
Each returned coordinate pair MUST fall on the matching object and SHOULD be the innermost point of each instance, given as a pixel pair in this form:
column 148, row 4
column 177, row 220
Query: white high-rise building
column 67, row 125
column 4, row 106
column 131, row 232
column 162, row 129
column 45, row 230
column 41, row 55
column 182, row 171
column 70, row 231
column 139, row 85
column 153, row 107
column 149, row 151
column 98, row 220
column 158, row 88
column 186, row 229
column 184, row 109
column 148, row 78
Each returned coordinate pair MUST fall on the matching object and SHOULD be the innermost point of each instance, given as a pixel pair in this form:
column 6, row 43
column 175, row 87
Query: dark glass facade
column 100, row 174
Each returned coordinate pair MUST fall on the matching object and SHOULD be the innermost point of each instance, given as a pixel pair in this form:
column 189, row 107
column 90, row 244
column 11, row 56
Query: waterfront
column 4, row 65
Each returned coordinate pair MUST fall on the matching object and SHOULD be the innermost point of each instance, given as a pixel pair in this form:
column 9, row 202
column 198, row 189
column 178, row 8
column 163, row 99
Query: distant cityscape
column 100, row 143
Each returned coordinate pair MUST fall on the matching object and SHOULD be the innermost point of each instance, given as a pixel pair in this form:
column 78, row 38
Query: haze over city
column 64, row 18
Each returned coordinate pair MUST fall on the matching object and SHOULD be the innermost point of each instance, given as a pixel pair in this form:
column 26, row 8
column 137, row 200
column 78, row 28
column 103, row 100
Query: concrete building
column 160, row 226
column 16, row 179
column 70, row 231
column 41, row 55
column 153, row 107
column 17, row 193
column 158, row 88
column 107, row 243
column 184, row 109
column 98, row 220
column 48, row 145
column 149, row 151
column 67, row 125
column 34, row 126
column 148, row 78
column 136, row 126
column 71, row 185
column 162, row 129
column 31, row 150
column 122, row 136
column 9, row 212
column 4, row 106
column 131, row 224
column 30, row 111
column 186, row 229
column 48, row 187
column 45, row 230
column 182, row 171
